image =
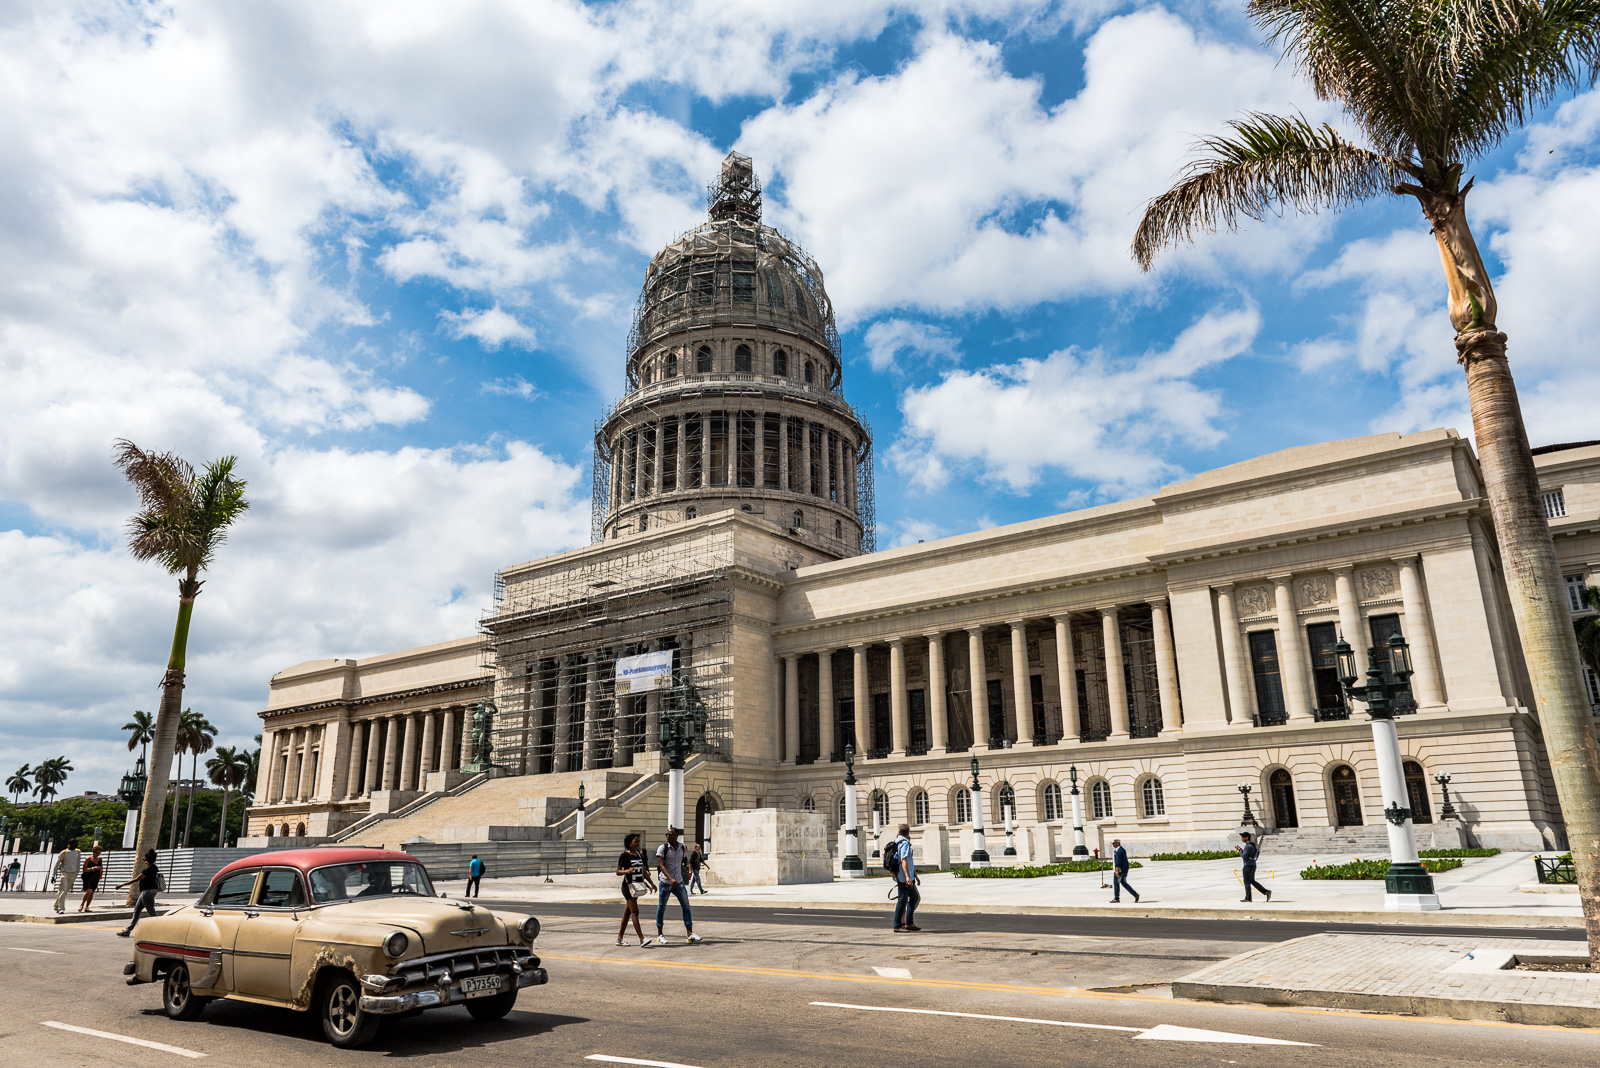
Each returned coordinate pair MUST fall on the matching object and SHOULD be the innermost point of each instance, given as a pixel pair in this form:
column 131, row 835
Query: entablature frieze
column 285, row 717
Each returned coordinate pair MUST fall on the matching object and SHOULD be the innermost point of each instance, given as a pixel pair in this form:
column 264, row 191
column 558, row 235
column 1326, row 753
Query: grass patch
column 1036, row 871
column 1203, row 854
column 1458, row 852
column 1372, row 869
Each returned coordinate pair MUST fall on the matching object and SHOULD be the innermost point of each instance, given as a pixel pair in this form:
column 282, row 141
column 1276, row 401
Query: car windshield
column 373, row 878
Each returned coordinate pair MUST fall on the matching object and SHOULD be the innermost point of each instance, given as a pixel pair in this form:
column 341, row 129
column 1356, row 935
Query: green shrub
column 1458, row 852
column 1371, row 869
column 1203, row 854
column 1037, row 870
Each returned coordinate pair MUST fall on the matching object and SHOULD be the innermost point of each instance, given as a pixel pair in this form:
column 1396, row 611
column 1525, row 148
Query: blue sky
column 387, row 255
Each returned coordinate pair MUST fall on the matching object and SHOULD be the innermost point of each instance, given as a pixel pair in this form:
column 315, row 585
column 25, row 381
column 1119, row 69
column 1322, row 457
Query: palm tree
column 1587, row 629
column 196, row 734
column 227, row 769
column 49, row 775
column 19, row 782
column 1429, row 88
column 141, row 728
column 183, row 518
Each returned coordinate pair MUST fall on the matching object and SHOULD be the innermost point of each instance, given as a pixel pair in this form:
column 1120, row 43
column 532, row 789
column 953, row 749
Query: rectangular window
column 1383, row 628
column 1575, row 598
column 747, row 448
column 694, row 441
column 997, row 713
column 815, row 453
column 705, row 286
column 917, row 718
column 1555, row 504
column 744, row 283
column 1320, row 640
column 719, row 450
column 669, row 454
column 647, row 477
column 1591, row 683
column 797, row 455
column 845, row 726
column 774, row 289
column 882, row 726
column 770, row 426
column 833, row 468
column 1270, row 710
column 1036, row 698
column 630, row 460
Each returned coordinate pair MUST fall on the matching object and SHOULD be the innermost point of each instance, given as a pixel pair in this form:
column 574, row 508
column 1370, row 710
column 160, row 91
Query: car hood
column 442, row 925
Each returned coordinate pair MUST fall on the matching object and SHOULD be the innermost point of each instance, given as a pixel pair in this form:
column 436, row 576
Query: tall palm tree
column 196, row 734
column 227, row 769
column 183, row 518
column 49, row 775
column 1428, row 88
column 141, row 728
column 20, row 782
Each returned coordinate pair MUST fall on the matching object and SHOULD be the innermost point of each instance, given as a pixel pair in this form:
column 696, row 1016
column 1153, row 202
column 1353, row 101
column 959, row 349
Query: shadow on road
column 446, row 1030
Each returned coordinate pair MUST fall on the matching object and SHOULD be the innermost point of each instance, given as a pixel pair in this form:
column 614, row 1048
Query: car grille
column 459, row 964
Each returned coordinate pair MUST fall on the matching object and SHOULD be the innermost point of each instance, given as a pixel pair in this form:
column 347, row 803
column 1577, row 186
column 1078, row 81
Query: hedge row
column 1037, row 870
column 1371, row 869
column 1203, row 854
column 1458, row 852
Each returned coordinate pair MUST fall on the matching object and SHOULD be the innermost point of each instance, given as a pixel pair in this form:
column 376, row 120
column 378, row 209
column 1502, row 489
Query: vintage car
column 353, row 935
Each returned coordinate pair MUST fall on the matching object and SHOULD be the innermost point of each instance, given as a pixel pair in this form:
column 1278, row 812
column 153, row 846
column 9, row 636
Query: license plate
column 480, row 986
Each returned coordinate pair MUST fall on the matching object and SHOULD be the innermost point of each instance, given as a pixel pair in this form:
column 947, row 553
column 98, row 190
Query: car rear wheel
column 493, row 1007
column 177, row 995
column 343, row 1022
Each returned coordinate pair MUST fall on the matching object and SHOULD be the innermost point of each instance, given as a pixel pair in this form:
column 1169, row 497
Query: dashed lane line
column 25, row 949
column 893, row 973
column 634, row 1060
column 1160, row 1032
column 146, row 1043
column 975, row 1016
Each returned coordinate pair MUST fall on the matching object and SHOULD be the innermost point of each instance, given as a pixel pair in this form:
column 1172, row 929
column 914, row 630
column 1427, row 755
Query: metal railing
column 1556, row 870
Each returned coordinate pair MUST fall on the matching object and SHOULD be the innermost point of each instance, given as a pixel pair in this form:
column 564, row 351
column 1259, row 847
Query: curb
column 75, row 917
column 1455, row 1008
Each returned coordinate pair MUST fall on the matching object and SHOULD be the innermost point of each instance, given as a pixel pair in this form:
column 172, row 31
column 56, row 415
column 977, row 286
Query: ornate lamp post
column 1249, row 818
column 1447, row 811
column 1010, row 814
column 877, row 824
column 1080, row 848
column 683, row 724
column 5, row 838
column 851, row 865
column 580, row 812
column 1408, row 886
column 980, row 855
column 132, row 794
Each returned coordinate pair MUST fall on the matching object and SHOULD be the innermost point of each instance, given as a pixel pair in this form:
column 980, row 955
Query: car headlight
column 529, row 929
column 396, row 943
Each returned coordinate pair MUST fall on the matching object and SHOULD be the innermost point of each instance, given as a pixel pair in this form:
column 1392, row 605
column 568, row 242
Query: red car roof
column 306, row 859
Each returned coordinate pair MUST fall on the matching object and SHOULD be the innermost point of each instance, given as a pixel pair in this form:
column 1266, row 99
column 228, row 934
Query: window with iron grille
column 1555, row 504
column 808, row 805
column 1270, row 709
column 1575, row 598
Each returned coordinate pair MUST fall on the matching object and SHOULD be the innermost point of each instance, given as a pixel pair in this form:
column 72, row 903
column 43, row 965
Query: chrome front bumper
column 389, row 1004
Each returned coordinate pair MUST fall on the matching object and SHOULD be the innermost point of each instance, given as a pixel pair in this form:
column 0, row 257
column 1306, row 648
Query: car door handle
column 251, row 913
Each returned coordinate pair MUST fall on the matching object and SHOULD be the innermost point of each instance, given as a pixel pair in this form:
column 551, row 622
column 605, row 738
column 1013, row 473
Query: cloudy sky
column 386, row 254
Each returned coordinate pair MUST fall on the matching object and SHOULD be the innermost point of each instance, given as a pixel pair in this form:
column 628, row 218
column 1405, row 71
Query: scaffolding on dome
column 555, row 634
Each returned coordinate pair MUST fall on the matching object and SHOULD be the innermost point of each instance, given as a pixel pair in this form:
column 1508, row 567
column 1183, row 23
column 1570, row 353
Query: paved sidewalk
column 40, row 908
column 1483, row 892
column 1468, row 979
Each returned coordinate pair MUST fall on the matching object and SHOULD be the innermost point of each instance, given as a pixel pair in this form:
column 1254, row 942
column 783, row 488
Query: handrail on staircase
column 627, row 796
column 372, row 819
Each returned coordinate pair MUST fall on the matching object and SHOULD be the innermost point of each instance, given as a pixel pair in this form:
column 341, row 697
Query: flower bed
column 1203, row 854
column 1037, row 870
column 1458, row 852
column 1372, row 869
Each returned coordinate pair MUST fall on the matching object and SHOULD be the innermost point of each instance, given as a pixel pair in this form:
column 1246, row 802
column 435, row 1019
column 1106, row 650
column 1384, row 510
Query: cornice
column 1389, row 520
column 394, row 695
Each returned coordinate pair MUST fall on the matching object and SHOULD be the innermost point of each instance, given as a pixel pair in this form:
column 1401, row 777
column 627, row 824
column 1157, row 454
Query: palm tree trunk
column 1538, row 602
column 194, row 774
column 222, row 824
column 172, row 835
column 166, row 731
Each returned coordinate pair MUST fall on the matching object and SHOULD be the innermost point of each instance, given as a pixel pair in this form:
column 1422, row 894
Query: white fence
column 187, row 870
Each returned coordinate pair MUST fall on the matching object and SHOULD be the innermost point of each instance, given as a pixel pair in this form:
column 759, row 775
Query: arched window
column 702, row 360
column 1052, row 801
column 963, row 805
column 810, row 374
column 1417, row 792
column 703, row 811
column 270, row 830
column 644, row 522
column 799, row 518
column 1154, row 798
column 1005, row 798
column 780, row 362
column 919, row 808
column 1346, row 796
column 1100, row 799
column 672, row 365
column 808, row 805
column 880, row 805
column 690, row 512
column 741, row 359
column 299, row 830
column 840, row 808
column 1281, row 787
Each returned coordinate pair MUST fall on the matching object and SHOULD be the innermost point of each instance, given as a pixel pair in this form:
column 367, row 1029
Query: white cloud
column 1090, row 415
column 493, row 327
column 888, row 339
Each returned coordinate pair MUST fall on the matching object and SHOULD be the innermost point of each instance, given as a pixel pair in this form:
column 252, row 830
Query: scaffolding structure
column 554, row 636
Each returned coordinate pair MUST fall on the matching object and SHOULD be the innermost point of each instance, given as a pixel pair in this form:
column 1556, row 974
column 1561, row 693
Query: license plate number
column 481, row 986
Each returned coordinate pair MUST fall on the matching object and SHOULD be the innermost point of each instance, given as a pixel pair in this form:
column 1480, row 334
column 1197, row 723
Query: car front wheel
column 494, row 1007
column 178, row 996
column 343, row 1022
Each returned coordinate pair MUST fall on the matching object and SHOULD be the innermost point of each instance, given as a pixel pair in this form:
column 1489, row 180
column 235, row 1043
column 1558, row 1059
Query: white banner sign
column 645, row 672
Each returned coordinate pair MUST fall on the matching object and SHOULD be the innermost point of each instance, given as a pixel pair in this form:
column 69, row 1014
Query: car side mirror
column 443, row 894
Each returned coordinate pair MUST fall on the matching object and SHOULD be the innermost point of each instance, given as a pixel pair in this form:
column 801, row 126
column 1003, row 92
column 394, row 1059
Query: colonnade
column 392, row 751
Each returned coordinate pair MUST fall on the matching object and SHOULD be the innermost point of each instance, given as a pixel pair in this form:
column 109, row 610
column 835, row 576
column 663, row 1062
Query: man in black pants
column 1249, row 854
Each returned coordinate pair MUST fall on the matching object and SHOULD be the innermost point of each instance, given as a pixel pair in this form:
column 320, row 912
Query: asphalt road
column 779, row 993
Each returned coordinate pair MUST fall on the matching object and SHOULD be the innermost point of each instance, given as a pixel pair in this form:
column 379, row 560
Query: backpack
column 891, row 858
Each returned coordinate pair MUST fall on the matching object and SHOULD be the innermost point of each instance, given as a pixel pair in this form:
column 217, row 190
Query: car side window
column 282, row 889
column 234, row 891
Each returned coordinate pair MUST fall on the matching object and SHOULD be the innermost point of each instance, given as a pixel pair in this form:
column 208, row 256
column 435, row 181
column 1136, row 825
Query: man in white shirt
column 68, row 865
column 669, row 868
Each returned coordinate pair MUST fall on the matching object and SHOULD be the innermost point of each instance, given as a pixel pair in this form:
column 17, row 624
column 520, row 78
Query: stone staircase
column 1337, row 844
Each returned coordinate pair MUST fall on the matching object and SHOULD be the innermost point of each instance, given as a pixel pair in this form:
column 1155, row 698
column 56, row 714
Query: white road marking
column 1174, row 1033
column 147, row 1044
column 635, row 1060
column 974, row 1016
column 893, row 973
column 24, row 949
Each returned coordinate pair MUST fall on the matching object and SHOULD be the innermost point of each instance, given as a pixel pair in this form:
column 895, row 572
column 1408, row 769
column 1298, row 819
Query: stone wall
column 768, row 847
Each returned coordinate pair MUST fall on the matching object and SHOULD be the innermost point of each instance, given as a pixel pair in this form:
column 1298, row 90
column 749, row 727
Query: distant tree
column 227, row 769
column 195, row 736
column 20, row 782
column 183, row 518
column 1588, row 628
column 141, row 728
column 48, row 776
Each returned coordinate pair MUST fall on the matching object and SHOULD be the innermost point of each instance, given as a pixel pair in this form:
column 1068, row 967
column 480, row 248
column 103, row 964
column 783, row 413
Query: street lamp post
column 1249, row 818
column 1447, row 811
column 1408, row 886
column 851, row 865
column 683, row 723
column 581, row 813
column 980, row 855
column 132, row 793
column 5, row 838
column 1080, row 848
column 1011, row 848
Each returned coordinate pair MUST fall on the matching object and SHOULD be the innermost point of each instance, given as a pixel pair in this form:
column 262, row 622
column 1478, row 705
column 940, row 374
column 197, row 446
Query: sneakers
column 695, row 938
column 661, row 940
column 620, row 942
column 123, row 934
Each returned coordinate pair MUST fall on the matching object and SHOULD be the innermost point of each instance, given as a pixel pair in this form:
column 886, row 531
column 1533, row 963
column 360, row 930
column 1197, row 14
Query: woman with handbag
column 631, row 866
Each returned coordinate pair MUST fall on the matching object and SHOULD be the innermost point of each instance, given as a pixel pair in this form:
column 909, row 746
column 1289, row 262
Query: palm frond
column 1267, row 163
column 182, row 516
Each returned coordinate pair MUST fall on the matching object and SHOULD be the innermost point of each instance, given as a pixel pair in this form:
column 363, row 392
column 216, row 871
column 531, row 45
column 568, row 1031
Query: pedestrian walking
column 149, row 880
column 14, row 875
column 1250, row 853
column 697, row 860
column 475, row 871
column 900, row 853
column 630, row 865
column 94, row 869
column 669, row 883
column 1119, row 873
column 68, row 864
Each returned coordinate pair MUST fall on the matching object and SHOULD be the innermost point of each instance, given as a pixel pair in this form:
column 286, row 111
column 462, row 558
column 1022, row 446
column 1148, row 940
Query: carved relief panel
column 1316, row 590
column 1376, row 583
column 1255, row 601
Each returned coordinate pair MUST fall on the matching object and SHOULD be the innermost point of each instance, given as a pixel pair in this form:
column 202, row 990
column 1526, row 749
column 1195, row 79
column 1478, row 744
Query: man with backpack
column 899, row 859
column 475, row 871
column 1250, row 853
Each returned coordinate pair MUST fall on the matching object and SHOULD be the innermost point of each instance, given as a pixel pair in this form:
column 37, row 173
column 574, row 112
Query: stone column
column 591, row 712
column 1166, row 667
column 430, row 733
column 408, row 755
column 862, row 703
column 791, row 709
column 979, row 682
column 1292, row 662
column 681, row 461
column 354, row 773
column 447, row 740
column 827, row 713
column 1419, row 635
column 1344, row 593
column 1021, row 688
column 286, row 778
column 1234, row 664
column 391, row 753
column 464, row 752
column 1491, row 607
column 563, row 740
column 1116, row 682
column 308, row 767
column 783, row 455
column 705, row 450
column 374, row 756
column 269, row 749
column 938, row 714
column 1067, row 679
column 639, row 488
column 900, row 725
